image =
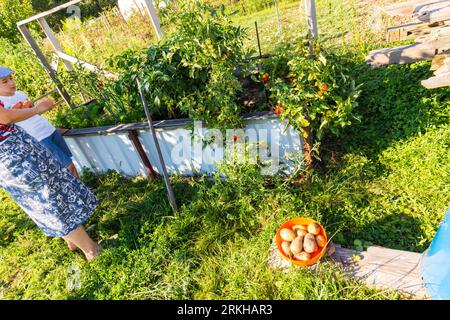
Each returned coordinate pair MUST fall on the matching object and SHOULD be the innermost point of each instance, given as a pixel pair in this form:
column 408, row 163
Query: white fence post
column 311, row 21
column 148, row 4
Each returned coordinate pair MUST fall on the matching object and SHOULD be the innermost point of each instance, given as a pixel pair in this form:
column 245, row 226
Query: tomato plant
column 191, row 73
column 315, row 94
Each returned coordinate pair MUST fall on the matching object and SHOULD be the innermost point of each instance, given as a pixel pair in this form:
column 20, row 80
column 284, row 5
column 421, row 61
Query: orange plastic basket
column 315, row 256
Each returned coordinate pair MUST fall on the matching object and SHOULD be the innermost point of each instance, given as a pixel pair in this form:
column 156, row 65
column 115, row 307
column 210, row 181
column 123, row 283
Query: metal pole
column 158, row 149
column 257, row 37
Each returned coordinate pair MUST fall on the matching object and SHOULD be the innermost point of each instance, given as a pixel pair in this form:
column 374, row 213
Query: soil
column 254, row 96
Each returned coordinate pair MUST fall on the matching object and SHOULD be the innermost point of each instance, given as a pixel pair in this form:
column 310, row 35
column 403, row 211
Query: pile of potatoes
column 302, row 241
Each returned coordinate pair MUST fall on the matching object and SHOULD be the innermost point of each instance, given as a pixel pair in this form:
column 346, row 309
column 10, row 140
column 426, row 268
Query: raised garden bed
column 112, row 147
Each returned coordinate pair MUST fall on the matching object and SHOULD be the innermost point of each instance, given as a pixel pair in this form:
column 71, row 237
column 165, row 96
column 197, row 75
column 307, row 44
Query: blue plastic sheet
column 435, row 263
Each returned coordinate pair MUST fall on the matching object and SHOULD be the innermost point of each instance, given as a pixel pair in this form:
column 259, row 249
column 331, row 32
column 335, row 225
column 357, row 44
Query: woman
column 51, row 196
column 38, row 127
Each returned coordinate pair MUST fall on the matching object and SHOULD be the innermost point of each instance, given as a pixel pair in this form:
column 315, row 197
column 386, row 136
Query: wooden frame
column 67, row 59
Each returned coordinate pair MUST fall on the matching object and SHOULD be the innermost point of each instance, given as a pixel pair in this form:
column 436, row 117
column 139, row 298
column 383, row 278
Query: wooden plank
column 437, row 82
column 438, row 39
column 424, row 48
column 402, row 32
column 392, row 269
column 378, row 267
column 311, row 22
column 401, row 55
column 444, row 68
column 404, row 9
column 434, row 15
column 432, row 6
column 413, row 30
column 47, row 13
column 438, row 61
column 311, row 19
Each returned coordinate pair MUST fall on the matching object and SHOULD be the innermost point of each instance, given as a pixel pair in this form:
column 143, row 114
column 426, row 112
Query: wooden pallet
column 425, row 48
column 378, row 267
column 413, row 30
column 431, row 32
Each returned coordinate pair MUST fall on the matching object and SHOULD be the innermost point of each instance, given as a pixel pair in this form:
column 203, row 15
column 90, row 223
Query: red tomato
column 278, row 109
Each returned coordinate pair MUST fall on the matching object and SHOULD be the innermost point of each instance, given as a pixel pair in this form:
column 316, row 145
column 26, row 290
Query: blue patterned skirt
column 52, row 197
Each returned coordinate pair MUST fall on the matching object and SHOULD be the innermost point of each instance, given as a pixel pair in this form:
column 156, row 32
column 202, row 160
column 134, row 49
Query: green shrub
column 11, row 12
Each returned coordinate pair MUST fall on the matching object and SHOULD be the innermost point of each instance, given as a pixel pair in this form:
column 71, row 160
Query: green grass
column 385, row 181
column 217, row 245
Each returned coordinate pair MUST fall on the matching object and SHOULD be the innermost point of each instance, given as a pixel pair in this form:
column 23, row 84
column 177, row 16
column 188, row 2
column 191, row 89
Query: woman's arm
column 16, row 115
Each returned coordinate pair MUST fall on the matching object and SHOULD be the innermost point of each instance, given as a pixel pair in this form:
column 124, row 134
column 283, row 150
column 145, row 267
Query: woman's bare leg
column 71, row 245
column 73, row 170
column 71, row 167
column 81, row 239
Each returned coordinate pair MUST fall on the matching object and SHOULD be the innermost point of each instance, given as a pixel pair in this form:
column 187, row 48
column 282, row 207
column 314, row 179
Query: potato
column 309, row 243
column 302, row 256
column 320, row 240
column 297, row 245
column 301, row 233
column 286, row 246
column 300, row 227
column 314, row 228
column 287, row 234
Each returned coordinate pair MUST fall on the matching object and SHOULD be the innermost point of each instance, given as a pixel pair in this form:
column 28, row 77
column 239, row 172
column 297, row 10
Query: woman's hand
column 27, row 104
column 44, row 105
column 18, row 105
column 22, row 105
